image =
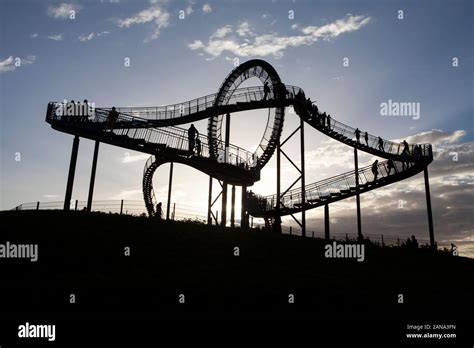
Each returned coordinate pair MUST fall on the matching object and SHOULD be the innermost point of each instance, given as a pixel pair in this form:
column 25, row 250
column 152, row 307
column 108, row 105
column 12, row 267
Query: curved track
column 153, row 130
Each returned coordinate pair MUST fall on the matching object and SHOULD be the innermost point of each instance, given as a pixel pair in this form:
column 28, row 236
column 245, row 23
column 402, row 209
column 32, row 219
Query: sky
column 348, row 56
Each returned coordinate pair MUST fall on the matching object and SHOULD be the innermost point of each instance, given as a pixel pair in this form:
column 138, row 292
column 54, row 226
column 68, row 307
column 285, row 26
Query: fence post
column 398, row 241
column 382, row 241
column 174, row 210
column 37, row 205
column 121, row 207
column 75, row 205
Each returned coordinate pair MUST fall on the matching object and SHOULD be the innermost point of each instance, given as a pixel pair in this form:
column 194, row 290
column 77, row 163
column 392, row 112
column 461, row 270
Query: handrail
column 172, row 137
column 326, row 188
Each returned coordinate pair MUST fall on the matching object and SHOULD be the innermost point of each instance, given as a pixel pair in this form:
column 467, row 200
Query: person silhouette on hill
column 357, row 134
column 381, row 148
column 328, row 121
column 266, row 90
column 159, row 211
column 375, row 169
column 192, row 132
column 366, row 138
column 414, row 242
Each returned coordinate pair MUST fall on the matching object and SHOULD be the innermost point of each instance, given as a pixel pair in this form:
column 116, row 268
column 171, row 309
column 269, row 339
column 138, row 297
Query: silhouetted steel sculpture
column 154, row 130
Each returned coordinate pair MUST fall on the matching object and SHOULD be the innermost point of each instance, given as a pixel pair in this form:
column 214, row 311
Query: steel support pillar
column 356, row 173
column 278, row 182
column 326, row 222
column 94, row 167
column 244, row 222
column 209, row 203
column 303, row 191
column 224, row 184
column 232, row 207
column 170, row 186
column 428, row 205
column 72, row 171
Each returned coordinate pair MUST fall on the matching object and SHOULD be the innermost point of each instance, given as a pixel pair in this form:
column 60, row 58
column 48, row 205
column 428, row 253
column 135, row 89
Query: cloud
column 244, row 29
column 84, row 37
column 189, row 10
column 436, row 137
column 63, row 11
column 206, row 8
column 34, row 35
column 55, row 37
column 347, row 24
column 9, row 63
column 127, row 158
column 238, row 43
column 154, row 14
column 196, row 44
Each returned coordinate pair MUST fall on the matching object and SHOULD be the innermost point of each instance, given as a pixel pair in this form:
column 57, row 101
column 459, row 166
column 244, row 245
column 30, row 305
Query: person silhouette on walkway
column 381, row 148
column 366, row 138
column 328, row 120
column 375, row 169
column 406, row 147
column 323, row 119
column 112, row 117
column 266, row 90
column 85, row 110
column 159, row 211
column 357, row 134
column 390, row 166
column 192, row 132
column 198, row 146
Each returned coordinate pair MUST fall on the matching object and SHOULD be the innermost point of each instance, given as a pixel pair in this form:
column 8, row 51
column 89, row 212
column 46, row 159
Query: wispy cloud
column 155, row 14
column 55, row 37
column 206, row 8
column 34, row 35
column 243, row 42
column 10, row 64
column 88, row 37
column 127, row 158
column 63, row 11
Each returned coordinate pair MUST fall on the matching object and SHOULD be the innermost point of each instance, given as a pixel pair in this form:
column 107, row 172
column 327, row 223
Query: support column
column 359, row 224
column 278, row 205
column 244, row 223
column 224, row 204
column 209, row 203
column 428, row 205
column 170, row 184
column 224, row 184
column 72, row 171
column 303, row 191
column 94, row 167
column 326, row 222
column 232, row 207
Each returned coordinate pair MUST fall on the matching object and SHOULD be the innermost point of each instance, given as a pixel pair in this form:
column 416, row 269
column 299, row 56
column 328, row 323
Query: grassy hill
column 84, row 254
